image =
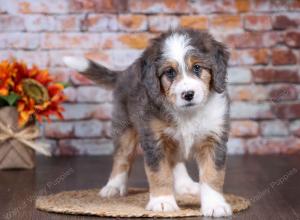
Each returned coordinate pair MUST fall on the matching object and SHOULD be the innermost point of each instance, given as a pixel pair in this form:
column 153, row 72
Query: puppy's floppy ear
column 150, row 79
column 219, row 68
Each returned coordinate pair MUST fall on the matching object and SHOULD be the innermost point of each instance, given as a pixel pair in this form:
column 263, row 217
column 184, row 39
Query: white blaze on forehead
column 176, row 46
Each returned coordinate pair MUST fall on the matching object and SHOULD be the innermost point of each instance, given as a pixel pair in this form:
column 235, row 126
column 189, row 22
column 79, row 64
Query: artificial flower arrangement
column 27, row 95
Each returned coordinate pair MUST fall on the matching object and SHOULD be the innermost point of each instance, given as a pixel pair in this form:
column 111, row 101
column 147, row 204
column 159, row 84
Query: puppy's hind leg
column 125, row 144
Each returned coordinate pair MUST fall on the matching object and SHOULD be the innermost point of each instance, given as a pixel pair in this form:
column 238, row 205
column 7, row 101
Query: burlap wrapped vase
column 17, row 145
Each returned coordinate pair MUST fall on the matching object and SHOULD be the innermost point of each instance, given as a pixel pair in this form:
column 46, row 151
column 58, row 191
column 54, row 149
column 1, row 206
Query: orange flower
column 5, row 78
column 40, row 97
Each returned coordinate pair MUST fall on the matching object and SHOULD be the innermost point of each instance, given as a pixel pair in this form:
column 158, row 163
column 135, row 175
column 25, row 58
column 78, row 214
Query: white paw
column 217, row 210
column 213, row 203
column 116, row 186
column 111, row 191
column 162, row 204
column 187, row 187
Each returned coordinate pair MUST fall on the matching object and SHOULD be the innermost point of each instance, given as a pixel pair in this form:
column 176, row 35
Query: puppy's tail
column 94, row 71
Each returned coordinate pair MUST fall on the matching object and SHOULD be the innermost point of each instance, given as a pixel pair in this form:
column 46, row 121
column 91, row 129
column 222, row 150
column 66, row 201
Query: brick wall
column 263, row 37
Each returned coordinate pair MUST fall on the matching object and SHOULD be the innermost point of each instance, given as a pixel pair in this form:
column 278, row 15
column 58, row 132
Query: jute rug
column 88, row 202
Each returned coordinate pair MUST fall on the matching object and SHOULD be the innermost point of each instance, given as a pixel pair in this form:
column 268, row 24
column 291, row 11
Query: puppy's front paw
column 187, row 187
column 116, row 186
column 111, row 191
column 213, row 203
column 217, row 209
column 162, row 204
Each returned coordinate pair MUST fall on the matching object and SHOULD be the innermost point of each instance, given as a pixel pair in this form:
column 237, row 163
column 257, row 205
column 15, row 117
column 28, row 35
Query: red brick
column 195, row 22
column 70, row 40
column 257, row 22
column 282, row 22
column 249, row 56
column 292, row 39
column 93, row 94
column 273, row 145
column 94, row 146
column 60, row 74
column 136, row 41
column 158, row 6
column 159, row 23
column 70, row 92
column 37, row 23
column 274, row 128
column 86, row 129
column 226, row 23
column 294, row 5
column 242, row 5
column 68, row 22
column 261, row 5
column 279, row 93
column 207, row 6
column 128, row 22
column 270, row 75
column 41, row 6
column 295, row 128
column 251, row 110
column 59, row 130
column 236, row 146
column 124, row 57
column 239, row 75
column 11, row 23
column 283, row 57
column 254, row 39
column 65, row 149
column 98, row 5
column 19, row 40
column 248, row 93
column 81, row 111
column 244, row 128
column 100, row 22
column 287, row 110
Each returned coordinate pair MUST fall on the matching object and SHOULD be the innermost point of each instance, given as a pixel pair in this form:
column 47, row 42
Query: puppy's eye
column 170, row 73
column 197, row 69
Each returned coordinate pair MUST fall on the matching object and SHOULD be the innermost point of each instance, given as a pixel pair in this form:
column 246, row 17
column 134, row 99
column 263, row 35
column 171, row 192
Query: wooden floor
column 271, row 182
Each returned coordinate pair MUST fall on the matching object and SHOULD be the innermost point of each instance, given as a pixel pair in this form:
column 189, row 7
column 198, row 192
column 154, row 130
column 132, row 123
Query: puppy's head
column 184, row 67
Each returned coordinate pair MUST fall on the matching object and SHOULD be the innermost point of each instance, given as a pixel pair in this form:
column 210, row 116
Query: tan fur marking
column 204, row 154
column 125, row 152
column 205, row 74
column 161, row 181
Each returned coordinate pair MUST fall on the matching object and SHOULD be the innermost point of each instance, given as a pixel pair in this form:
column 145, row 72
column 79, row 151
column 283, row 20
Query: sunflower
column 39, row 96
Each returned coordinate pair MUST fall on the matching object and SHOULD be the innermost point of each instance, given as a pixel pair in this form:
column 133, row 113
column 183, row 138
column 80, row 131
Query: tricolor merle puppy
column 173, row 101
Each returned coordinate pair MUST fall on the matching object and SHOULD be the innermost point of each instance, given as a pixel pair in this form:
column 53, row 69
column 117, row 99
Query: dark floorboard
column 272, row 183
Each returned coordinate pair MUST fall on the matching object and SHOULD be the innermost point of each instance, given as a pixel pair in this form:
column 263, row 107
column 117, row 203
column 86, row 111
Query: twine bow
column 25, row 136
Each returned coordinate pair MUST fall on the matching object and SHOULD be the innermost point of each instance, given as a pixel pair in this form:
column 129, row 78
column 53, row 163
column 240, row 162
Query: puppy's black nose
column 188, row 95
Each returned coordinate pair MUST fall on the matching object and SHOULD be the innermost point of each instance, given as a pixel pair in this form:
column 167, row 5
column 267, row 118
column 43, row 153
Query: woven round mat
column 88, row 202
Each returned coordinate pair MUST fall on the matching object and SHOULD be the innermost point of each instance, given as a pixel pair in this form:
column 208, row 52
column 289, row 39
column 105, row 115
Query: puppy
column 173, row 101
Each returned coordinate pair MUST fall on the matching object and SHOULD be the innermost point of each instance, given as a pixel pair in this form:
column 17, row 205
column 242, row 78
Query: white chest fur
column 191, row 126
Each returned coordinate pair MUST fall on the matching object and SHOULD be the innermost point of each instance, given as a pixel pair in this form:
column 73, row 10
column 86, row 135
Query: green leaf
column 65, row 84
column 11, row 99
